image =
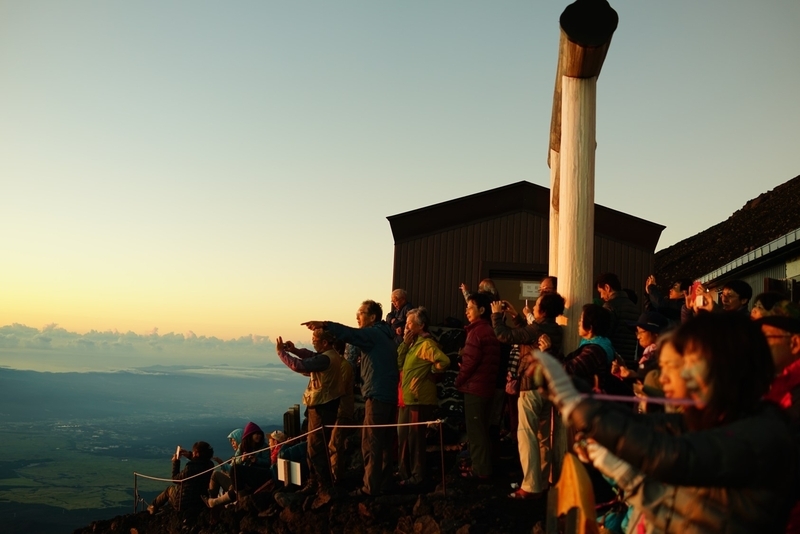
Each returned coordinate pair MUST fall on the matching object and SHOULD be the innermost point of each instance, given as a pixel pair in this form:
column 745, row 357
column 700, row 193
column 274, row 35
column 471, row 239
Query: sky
column 225, row 170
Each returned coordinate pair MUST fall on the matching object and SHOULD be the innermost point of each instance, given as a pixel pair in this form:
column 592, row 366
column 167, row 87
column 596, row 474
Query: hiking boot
column 310, row 488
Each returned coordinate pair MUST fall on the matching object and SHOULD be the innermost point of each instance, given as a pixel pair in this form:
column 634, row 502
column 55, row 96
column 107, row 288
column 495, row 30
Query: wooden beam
column 586, row 30
column 576, row 216
column 552, row 267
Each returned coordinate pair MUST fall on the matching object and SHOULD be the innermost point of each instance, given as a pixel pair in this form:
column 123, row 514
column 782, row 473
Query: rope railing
column 637, row 400
column 237, row 459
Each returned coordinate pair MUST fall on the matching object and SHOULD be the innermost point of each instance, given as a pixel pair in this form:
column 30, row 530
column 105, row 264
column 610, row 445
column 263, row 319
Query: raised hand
column 561, row 389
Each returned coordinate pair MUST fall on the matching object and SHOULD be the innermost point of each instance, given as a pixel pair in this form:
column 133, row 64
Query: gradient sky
column 227, row 168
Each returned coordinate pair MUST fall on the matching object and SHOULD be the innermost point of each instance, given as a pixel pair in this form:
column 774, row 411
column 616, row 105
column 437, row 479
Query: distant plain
column 72, row 441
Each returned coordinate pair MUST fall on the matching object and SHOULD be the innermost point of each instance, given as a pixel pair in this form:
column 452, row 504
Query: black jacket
column 622, row 336
column 745, row 472
column 189, row 492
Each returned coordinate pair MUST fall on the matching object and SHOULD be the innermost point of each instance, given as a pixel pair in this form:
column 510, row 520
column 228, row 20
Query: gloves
column 612, row 466
column 562, row 391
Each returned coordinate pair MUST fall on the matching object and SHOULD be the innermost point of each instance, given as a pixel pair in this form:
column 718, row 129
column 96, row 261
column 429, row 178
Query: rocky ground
column 761, row 220
column 462, row 506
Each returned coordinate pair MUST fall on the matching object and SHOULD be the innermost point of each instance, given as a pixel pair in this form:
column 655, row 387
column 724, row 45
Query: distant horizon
column 228, row 170
column 57, row 349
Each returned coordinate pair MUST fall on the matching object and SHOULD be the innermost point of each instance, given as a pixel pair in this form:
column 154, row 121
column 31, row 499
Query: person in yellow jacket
column 322, row 398
column 418, row 358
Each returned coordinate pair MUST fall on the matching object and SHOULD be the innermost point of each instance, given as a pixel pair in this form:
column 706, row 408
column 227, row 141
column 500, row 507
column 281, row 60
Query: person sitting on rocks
column 276, row 440
column 187, row 492
column 250, row 469
column 221, row 478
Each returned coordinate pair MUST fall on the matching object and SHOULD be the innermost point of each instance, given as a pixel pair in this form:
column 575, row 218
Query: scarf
column 604, row 343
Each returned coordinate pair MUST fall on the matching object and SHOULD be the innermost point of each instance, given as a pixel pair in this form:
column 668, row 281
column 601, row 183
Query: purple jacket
column 480, row 361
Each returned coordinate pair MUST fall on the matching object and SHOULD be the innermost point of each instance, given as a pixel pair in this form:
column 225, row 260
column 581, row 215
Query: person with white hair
column 397, row 317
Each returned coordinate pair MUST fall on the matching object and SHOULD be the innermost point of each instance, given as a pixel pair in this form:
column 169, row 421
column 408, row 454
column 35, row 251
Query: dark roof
column 763, row 219
column 520, row 196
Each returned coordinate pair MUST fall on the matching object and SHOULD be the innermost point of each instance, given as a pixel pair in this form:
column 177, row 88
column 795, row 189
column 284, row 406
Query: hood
column 237, row 435
column 384, row 327
column 604, row 342
column 251, row 428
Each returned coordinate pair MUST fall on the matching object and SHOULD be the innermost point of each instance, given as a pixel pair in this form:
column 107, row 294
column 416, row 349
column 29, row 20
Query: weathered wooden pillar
column 555, row 169
column 576, row 217
column 586, row 30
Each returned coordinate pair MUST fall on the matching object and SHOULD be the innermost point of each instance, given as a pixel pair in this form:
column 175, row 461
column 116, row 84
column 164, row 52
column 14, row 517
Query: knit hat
column 278, row 436
column 236, row 435
column 651, row 321
column 250, row 429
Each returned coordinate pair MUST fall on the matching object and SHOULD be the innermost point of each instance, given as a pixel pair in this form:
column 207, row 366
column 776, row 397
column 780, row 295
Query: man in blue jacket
column 379, row 377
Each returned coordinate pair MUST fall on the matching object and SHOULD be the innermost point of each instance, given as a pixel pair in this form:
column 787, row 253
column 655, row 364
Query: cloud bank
column 55, row 348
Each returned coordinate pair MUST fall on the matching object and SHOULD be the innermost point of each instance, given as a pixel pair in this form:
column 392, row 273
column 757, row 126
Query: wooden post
column 586, row 30
column 576, row 217
column 555, row 168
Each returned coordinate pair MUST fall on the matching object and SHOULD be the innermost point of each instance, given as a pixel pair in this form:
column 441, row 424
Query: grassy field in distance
column 55, row 467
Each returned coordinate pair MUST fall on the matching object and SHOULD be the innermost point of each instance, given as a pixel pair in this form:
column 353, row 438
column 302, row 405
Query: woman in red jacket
column 480, row 363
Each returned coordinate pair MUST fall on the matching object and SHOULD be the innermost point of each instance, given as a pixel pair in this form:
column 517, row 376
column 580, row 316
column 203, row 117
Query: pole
column 576, row 190
column 441, row 456
column 552, row 268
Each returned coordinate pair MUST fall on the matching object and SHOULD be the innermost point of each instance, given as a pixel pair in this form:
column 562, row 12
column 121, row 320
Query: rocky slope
column 466, row 507
column 759, row 221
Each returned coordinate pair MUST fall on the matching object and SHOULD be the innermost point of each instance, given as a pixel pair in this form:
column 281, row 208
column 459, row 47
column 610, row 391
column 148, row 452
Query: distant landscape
column 72, row 441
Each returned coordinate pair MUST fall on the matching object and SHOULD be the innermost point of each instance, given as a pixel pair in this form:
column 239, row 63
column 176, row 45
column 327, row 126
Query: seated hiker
column 186, row 494
column 250, row 469
column 276, row 439
column 221, row 477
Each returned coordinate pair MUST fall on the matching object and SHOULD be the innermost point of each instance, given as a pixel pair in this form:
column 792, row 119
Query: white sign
column 289, row 472
column 529, row 290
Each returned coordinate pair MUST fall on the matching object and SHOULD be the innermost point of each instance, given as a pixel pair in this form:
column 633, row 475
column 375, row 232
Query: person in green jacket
column 418, row 358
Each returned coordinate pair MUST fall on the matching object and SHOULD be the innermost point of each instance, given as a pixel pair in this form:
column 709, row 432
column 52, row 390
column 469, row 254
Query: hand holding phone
column 696, row 292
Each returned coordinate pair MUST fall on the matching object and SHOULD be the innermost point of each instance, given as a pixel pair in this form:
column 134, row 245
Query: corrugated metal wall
column 431, row 267
column 756, row 279
column 631, row 264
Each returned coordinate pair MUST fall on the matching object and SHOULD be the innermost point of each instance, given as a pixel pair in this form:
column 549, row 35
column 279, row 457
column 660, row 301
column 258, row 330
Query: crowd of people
column 689, row 410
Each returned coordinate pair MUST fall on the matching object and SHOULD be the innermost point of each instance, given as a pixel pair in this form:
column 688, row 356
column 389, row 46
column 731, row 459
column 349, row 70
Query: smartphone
column 178, row 452
column 698, row 299
column 526, row 303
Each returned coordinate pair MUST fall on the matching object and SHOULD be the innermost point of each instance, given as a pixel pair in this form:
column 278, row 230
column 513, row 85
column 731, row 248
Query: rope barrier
column 435, row 421
column 637, row 400
column 237, row 459
column 229, row 461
